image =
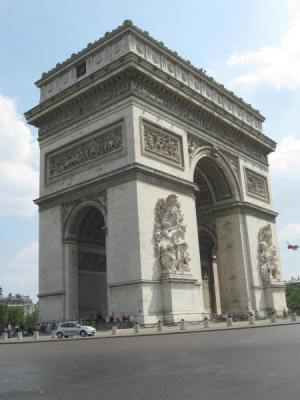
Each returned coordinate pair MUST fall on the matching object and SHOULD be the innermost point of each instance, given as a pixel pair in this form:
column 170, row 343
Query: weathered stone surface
column 154, row 190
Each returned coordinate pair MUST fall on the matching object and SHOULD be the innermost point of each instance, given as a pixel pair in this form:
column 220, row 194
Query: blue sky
column 250, row 46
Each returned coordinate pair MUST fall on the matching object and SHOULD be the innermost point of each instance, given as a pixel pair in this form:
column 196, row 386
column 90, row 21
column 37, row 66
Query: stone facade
column 154, row 189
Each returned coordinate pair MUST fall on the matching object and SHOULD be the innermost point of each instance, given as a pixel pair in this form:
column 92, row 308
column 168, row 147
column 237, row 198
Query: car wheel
column 59, row 335
column 82, row 333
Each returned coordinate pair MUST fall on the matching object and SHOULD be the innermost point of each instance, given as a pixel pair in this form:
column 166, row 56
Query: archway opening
column 212, row 189
column 207, row 257
column 92, row 273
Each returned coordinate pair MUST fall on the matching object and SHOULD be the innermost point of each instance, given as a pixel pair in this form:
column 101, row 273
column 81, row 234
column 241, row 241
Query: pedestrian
column 285, row 313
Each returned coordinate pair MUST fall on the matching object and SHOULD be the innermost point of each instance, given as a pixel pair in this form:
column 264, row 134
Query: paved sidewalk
column 166, row 330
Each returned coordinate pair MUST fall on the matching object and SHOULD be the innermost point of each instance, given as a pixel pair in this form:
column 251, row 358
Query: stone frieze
column 95, row 147
column 166, row 101
column 256, row 185
column 198, row 118
column 161, row 144
column 105, row 51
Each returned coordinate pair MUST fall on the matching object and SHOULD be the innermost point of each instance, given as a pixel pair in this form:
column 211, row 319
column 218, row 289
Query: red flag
column 293, row 246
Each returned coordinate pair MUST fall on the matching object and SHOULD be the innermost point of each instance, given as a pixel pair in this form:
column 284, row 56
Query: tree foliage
column 3, row 315
column 293, row 297
column 15, row 315
column 31, row 320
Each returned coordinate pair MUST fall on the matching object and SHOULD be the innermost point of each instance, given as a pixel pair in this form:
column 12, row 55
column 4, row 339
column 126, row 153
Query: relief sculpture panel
column 267, row 256
column 97, row 146
column 169, row 236
column 256, row 185
column 161, row 144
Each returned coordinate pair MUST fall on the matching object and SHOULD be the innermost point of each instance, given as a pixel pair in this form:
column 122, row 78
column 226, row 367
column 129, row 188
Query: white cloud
column 18, row 163
column 290, row 232
column 278, row 65
column 21, row 272
column 286, row 159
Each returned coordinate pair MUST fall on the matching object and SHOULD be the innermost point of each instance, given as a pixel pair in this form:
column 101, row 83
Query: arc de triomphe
column 154, row 189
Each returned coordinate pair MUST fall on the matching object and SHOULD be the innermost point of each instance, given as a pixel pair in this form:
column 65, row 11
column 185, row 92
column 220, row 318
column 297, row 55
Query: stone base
column 275, row 298
column 179, row 298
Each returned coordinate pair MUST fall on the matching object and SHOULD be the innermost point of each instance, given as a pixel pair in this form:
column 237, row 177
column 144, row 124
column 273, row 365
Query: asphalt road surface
column 259, row 363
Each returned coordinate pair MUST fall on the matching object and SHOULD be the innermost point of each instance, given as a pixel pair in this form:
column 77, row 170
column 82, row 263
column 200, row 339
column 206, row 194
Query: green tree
column 31, row 320
column 15, row 315
column 3, row 315
column 293, row 297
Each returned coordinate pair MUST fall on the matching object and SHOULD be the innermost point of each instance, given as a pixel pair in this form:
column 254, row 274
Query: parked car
column 66, row 329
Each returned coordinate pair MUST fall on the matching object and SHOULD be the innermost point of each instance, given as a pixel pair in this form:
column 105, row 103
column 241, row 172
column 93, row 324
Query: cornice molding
column 130, row 39
column 244, row 208
column 152, row 176
column 132, row 172
column 60, row 293
column 134, row 83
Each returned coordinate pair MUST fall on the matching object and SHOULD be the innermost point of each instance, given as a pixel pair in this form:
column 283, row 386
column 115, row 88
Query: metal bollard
column 36, row 335
column 294, row 316
column 137, row 328
column 114, row 330
column 251, row 320
column 273, row 319
column 53, row 334
column 19, row 336
column 205, row 323
column 229, row 321
column 159, row 326
column 4, row 336
column 182, row 325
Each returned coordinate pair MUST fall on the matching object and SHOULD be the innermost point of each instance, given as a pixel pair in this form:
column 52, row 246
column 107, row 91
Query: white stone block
column 137, row 329
column 182, row 325
column 205, row 323
column 4, row 336
column 114, row 330
column 159, row 326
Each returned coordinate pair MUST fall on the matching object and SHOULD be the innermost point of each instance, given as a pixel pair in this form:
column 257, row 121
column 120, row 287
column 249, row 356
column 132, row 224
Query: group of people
column 12, row 330
column 45, row 328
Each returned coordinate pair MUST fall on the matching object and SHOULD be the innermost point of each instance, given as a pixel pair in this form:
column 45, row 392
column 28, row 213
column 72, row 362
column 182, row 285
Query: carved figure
column 169, row 236
column 88, row 150
column 268, row 259
column 162, row 143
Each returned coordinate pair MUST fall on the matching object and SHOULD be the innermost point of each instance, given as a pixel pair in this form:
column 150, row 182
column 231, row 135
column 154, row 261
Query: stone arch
column 76, row 213
column 84, row 238
column 222, row 167
column 217, row 186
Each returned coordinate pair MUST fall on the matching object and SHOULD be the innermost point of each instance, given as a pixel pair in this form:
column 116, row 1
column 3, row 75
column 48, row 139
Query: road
column 260, row 363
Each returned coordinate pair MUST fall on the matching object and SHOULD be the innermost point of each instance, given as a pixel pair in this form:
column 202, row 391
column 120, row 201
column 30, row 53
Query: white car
column 66, row 329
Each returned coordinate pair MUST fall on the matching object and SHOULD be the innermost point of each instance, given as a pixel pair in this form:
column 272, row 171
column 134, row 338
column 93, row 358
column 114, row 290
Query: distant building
column 293, row 281
column 18, row 300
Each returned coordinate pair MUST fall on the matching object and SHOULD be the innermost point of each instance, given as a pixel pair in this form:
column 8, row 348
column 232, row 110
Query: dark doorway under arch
column 92, row 274
column 213, row 189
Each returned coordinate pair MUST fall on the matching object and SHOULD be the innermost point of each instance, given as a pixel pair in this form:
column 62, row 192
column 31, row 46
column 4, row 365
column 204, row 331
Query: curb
column 126, row 335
